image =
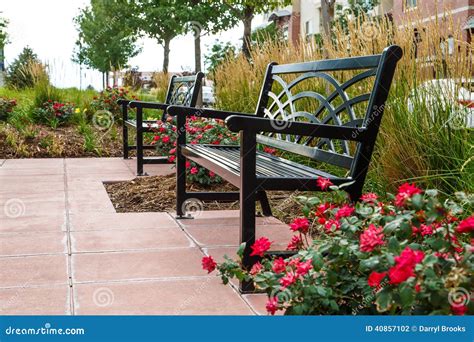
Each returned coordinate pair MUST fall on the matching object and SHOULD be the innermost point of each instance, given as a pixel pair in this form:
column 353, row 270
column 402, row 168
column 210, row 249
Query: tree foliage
column 3, row 32
column 106, row 35
column 25, row 71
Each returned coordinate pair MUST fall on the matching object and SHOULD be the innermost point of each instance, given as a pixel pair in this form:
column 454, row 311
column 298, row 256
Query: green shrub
column 411, row 255
column 44, row 91
column 6, row 107
column 53, row 113
column 107, row 101
column 25, row 71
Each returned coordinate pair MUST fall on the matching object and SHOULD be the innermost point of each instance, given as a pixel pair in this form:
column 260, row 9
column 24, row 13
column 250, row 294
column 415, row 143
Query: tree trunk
column 107, row 79
column 197, row 63
column 327, row 12
column 166, row 55
column 247, row 20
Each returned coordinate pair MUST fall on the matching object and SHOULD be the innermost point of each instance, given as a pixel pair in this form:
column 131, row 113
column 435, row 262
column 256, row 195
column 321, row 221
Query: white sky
column 47, row 26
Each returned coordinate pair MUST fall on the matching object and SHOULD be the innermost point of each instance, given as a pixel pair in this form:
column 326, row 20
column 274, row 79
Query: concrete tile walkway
column 64, row 249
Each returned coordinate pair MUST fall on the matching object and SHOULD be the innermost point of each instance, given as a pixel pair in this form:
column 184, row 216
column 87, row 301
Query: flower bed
column 53, row 113
column 198, row 131
column 410, row 255
column 6, row 107
column 107, row 100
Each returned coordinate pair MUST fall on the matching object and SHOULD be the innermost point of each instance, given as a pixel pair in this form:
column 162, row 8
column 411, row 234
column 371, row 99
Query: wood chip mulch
column 157, row 193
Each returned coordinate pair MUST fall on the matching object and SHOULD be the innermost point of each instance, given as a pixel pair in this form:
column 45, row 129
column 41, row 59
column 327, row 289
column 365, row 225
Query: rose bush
column 107, row 100
column 53, row 113
column 409, row 255
column 198, row 131
column 6, row 107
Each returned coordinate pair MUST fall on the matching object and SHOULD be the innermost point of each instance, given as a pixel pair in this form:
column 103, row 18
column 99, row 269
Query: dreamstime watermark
column 283, row 295
column 47, row 329
column 376, row 111
column 103, row 120
column 369, row 31
column 14, row 208
column 459, row 297
column 192, row 207
column 196, row 28
column 103, row 296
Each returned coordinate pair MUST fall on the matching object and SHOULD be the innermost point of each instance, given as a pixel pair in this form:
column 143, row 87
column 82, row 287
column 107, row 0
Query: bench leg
column 248, row 196
column 139, row 142
column 180, row 172
column 125, row 141
column 265, row 204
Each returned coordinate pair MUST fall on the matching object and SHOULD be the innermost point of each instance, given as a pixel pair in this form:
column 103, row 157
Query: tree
column 219, row 52
column 208, row 17
column 245, row 10
column 163, row 20
column 25, row 71
column 356, row 9
column 3, row 41
column 106, row 36
column 327, row 13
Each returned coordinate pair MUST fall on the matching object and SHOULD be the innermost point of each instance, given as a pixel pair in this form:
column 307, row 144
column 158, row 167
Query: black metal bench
column 181, row 91
column 332, row 133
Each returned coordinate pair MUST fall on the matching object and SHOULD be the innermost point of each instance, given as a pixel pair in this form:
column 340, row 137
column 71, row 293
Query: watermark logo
column 459, row 297
column 192, row 207
column 14, row 208
column 103, row 120
column 103, row 297
column 196, row 29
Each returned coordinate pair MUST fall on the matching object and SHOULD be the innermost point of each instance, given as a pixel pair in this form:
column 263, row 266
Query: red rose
column 304, row 267
column 405, row 265
column 294, row 244
column 166, row 139
column 208, row 264
column 369, row 197
column 172, row 158
column 260, row 246
column 323, row 183
column 300, row 224
column 272, row 305
column 279, row 265
column 375, row 278
column 406, row 191
column 459, row 310
column 256, row 268
column 288, row 279
column 188, row 164
column 345, row 211
column 212, row 174
column 194, row 170
column 466, row 226
column 330, row 224
column 269, row 150
column 371, row 238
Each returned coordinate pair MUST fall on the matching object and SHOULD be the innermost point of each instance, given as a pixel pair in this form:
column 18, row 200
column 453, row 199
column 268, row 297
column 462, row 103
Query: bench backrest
column 184, row 90
column 317, row 92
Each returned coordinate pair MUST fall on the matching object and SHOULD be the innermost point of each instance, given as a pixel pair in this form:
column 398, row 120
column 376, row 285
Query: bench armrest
column 150, row 105
column 255, row 124
column 123, row 102
column 203, row 112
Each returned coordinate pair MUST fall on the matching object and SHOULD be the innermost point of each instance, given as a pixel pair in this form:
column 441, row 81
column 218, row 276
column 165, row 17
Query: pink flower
column 369, row 197
column 405, row 192
column 371, row 238
column 156, row 138
column 260, row 246
column 172, row 151
column 269, row 150
column 212, row 174
column 272, row 305
column 375, row 278
column 323, row 183
column 466, row 226
column 300, row 224
column 208, row 264
column 279, row 265
column 344, row 211
column 304, row 267
column 194, row 170
column 405, row 265
column 459, row 310
column 172, row 158
column 294, row 244
column 426, row 230
column 330, row 224
column 166, row 139
column 188, row 164
column 256, row 268
column 288, row 279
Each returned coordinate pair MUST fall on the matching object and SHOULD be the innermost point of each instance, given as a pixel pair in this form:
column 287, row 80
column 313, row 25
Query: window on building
column 308, row 27
column 409, row 4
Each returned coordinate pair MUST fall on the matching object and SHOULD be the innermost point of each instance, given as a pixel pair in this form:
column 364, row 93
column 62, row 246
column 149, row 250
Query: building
column 304, row 17
column 462, row 12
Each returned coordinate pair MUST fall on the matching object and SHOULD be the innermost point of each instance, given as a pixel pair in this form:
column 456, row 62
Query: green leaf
column 370, row 263
column 384, row 300
column 240, row 251
column 407, row 295
column 321, row 291
column 393, row 245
